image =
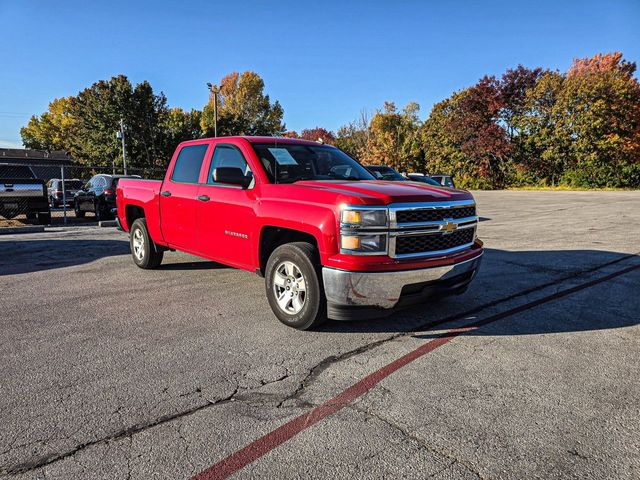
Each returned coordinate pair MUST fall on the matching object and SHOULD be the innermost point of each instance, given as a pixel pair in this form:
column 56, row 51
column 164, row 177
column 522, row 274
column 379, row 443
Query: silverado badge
column 449, row 226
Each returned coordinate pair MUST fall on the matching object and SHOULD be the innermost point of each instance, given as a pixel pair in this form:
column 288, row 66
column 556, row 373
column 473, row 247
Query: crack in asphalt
column 124, row 433
column 315, row 371
column 422, row 443
column 311, row 376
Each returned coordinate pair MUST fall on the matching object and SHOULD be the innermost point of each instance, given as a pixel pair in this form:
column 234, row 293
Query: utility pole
column 120, row 135
column 214, row 89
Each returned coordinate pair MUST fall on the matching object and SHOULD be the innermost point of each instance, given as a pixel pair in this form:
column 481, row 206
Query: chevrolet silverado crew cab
column 330, row 239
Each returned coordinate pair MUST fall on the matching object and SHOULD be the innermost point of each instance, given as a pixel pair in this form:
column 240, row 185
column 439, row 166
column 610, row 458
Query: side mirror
column 231, row 176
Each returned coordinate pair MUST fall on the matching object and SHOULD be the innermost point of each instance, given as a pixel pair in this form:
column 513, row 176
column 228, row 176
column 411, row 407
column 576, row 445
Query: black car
column 419, row 177
column 54, row 190
column 444, row 180
column 382, row 172
column 98, row 196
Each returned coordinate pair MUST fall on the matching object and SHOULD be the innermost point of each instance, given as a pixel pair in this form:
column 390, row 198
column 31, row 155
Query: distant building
column 46, row 165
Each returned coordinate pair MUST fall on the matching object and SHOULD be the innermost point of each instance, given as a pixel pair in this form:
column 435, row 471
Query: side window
column 230, row 157
column 188, row 163
column 100, row 182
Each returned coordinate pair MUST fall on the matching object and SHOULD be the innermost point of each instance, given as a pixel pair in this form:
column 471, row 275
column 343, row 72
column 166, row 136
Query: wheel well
column 272, row 237
column 134, row 212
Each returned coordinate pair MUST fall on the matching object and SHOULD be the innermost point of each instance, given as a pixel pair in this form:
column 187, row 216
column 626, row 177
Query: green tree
column 463, row 133
column 442, row 150
column 394, row 138
column 179, row 126
column 51, row 130
column 97, row 111
column 543, row 148
column 243, row 108
column 600, row 111
column 353, row 138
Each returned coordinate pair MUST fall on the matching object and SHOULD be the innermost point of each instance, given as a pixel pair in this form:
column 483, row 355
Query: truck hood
column 379, row 192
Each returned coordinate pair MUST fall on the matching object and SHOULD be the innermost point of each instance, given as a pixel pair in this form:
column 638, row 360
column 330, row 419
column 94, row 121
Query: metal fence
column 53, row 195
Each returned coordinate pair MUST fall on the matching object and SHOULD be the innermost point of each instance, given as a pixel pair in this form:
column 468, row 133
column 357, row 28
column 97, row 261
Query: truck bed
column 134, row 192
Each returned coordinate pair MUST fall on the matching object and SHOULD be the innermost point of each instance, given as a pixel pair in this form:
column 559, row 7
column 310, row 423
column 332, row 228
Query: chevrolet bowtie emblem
column 449, row 226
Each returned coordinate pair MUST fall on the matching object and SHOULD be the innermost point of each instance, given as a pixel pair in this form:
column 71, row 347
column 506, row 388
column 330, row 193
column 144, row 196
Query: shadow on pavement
column 25, row 256
column 619, row 308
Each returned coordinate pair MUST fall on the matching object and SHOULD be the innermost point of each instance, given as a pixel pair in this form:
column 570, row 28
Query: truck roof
column 266, row 139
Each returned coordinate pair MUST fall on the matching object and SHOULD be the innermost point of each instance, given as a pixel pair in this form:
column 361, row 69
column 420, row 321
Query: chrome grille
column 431, row 229
column 433, row 242
column 432, row 214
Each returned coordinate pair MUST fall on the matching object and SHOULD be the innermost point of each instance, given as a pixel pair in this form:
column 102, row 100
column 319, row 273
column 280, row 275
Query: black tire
column 98, row 212
column 304, row 257
column 150, row 255
column 31, row 215
column 76, row 209
column 44, row 218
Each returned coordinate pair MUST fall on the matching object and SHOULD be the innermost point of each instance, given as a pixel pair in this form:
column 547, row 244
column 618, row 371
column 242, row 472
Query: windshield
column 72, row 184
column 382, row 172
column 288, row 163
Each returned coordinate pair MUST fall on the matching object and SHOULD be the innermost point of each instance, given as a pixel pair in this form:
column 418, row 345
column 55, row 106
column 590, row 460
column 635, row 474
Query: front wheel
column 144, row 252
column 294, row 289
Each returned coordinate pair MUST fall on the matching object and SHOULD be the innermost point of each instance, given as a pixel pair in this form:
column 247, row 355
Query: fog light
column 364, row 244
column 350, row 242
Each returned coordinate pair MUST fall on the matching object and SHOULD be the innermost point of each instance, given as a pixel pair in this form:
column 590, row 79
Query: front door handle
column 204, row 198
column 166, row 193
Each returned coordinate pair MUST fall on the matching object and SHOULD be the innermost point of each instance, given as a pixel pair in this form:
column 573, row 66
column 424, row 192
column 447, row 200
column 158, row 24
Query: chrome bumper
column 383, row 289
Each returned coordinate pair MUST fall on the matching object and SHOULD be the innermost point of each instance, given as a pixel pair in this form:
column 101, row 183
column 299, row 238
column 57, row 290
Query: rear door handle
column 204, row 198
column 166, row 193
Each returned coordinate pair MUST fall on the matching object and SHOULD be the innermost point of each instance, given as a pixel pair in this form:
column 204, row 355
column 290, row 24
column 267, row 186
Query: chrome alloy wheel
column 289, row 287
column 138, row 244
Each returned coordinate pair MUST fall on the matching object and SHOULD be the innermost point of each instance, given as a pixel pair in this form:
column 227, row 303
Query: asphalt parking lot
column 109, row 371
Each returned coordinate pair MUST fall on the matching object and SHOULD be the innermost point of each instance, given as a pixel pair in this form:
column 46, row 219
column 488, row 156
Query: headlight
column 364, row 218
column 364, row 244
column 355, row 237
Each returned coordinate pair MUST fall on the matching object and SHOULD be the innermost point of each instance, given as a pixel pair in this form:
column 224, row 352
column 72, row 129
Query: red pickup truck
column 330, row 240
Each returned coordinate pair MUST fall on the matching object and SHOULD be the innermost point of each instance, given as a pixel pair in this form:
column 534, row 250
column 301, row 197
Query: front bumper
column 355, row 295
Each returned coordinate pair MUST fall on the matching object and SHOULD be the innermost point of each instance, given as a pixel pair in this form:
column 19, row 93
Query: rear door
column 178, row 198
column 225, row 213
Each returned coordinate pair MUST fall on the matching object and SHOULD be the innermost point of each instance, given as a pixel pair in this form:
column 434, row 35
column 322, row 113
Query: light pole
column 214, row 89
column 120, row 135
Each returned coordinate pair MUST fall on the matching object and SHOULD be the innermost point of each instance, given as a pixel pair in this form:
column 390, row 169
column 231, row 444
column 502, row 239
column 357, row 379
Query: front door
column 178, row 198
column 225, row 215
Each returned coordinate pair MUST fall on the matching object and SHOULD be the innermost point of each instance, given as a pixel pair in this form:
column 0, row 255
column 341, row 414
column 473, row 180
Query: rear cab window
column 188, row 164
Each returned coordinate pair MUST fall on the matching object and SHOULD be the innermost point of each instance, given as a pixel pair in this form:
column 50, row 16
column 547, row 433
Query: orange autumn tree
column 599, row 107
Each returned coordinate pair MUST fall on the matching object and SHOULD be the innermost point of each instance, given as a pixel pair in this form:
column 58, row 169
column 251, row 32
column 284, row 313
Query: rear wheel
column 76, row 209
column 145, row 253
column 293, row 285
column 98, row 212
column 44, row 218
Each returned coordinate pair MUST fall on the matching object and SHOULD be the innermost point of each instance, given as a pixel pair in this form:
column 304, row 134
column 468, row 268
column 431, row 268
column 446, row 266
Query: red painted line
column 253, row 451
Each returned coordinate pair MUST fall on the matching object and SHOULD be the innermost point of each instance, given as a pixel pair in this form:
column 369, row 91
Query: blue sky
column 324, row 61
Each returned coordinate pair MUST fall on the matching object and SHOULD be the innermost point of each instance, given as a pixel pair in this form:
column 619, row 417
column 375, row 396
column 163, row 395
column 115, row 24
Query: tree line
column 530, row 126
